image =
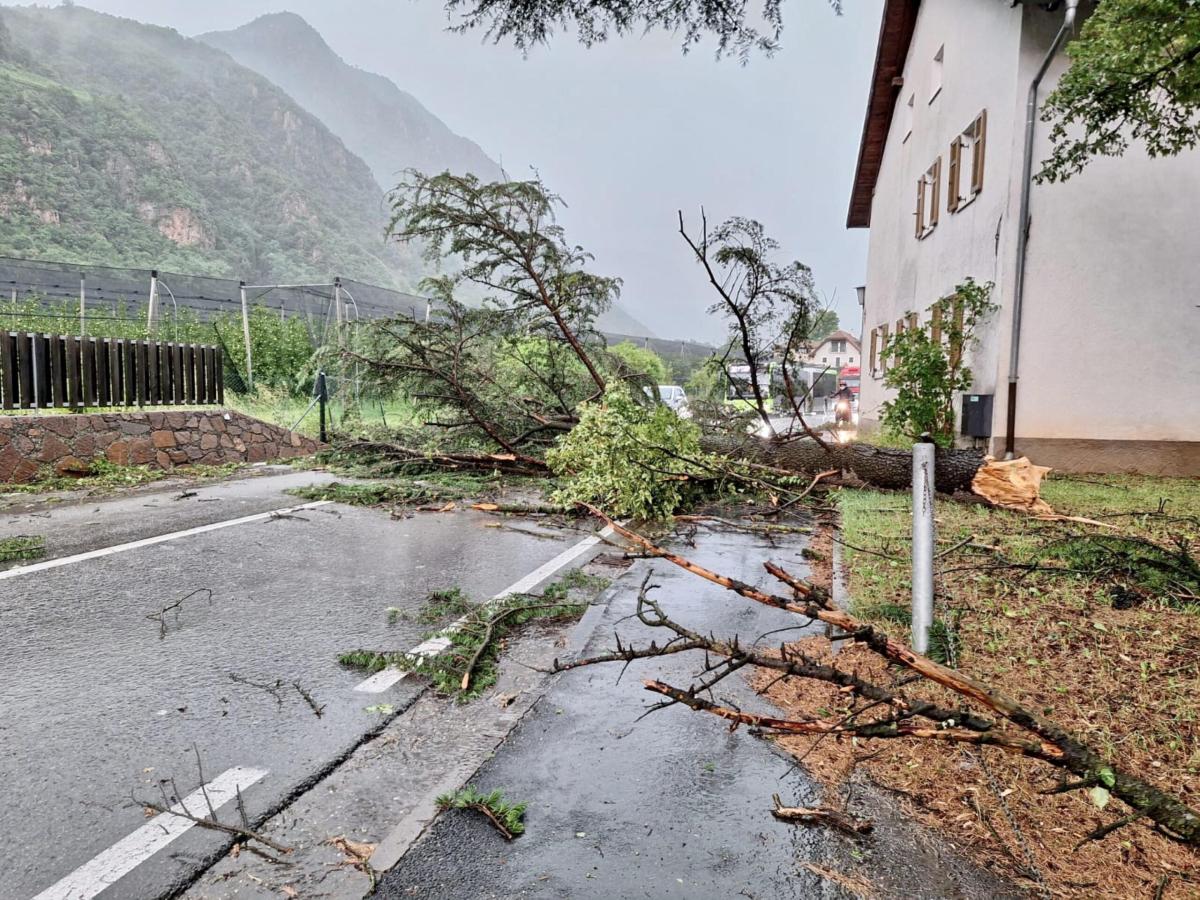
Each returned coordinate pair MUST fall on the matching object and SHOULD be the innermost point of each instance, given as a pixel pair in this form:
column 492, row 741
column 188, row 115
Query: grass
column 1046, row 617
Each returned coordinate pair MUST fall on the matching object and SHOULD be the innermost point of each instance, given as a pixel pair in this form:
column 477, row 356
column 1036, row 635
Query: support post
column 923, row 541
column 322, row 399
column 337, row 307
column 246, row 336
column 82, row 304
column 152, row 308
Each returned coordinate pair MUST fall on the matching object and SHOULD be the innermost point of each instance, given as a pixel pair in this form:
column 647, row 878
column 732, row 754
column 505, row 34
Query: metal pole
column 246, row 336
column 150, row 310
column 1031, row 117
column 923, row 541
column 82, row 304
column 337, row 307
column 322, row 397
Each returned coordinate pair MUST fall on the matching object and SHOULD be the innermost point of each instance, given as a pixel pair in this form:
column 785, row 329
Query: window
column 935, row 75
column 874, row 350
column 879, row 338
column 907, row 114
column 928, row 199
column 837, row 362
column 837, row 346
column 966, row 164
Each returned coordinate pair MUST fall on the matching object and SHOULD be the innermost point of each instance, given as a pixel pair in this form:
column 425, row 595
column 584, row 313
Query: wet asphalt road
column 673, row 806
column 97, row 705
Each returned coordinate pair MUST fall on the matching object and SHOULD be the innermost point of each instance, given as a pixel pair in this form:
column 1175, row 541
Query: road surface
column 106, row 700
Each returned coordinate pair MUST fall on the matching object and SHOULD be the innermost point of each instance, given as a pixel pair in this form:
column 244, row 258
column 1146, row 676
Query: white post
column 151, row 309
column 428, row 304
column 923, row 541
column 246, row 335
column 82, row 304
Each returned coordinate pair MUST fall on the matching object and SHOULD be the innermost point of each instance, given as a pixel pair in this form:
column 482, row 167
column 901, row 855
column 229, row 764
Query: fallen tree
column 885, row 712
column 504, row 382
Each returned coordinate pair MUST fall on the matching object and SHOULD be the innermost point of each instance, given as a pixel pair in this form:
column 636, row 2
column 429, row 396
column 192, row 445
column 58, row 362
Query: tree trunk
column 878, row 466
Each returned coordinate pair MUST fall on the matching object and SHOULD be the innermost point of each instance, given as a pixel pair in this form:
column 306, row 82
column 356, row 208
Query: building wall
column 981, row 45
column 1110, row 332
column 1109, row 372
column 826, row 355
column 67, row 444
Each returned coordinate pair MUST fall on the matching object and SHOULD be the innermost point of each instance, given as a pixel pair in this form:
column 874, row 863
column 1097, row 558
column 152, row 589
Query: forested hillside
column 131, row 144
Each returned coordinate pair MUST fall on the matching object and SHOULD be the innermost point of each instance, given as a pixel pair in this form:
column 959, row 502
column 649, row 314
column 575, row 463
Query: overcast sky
column 631, row 131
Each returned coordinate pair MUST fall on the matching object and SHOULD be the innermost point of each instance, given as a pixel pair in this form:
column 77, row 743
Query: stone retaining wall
column 67, row 444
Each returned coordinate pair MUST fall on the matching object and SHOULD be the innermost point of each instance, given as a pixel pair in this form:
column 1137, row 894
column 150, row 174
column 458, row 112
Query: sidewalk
column 674, row 805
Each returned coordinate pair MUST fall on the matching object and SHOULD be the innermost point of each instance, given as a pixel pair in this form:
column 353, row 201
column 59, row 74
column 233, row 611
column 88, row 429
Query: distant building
column 1107, row 354
column 837, row 350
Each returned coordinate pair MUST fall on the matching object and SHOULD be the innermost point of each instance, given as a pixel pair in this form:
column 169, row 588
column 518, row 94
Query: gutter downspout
column 1031, row 108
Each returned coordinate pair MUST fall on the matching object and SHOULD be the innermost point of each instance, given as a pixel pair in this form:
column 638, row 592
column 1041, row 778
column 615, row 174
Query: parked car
column 674, row 396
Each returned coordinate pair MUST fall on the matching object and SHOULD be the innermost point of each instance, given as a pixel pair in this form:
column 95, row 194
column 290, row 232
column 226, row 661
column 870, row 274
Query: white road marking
column 386, row 678
column 127, row 854
column 151, row 541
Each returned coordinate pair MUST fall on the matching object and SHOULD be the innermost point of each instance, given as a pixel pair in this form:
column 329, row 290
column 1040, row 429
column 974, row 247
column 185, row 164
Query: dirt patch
column 1123, row 680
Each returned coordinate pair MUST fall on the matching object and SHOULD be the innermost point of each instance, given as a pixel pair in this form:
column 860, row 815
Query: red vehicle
column 852, row 377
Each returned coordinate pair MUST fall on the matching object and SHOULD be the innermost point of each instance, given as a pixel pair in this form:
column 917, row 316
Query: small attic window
column 935, row 78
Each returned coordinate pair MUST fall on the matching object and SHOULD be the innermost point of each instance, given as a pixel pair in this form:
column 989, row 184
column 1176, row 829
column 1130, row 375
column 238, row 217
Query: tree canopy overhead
column 738, row 26
column 1134, row 76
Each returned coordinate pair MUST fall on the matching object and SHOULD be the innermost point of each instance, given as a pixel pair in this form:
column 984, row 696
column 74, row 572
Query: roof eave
column 895, row 35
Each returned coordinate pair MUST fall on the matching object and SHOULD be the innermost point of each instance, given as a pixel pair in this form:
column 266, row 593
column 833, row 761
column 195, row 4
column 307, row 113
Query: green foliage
column 478, row 637
column 442, row 605
column 372, row 494
column 23, row 546
column 508, row 817
column 120, row 135
column 928, row 373
column 1134, row 76
column 281, row 347
column 707, row 383
column 824, row 324
column 642, row 361
column 510, row 245
column 623, row 457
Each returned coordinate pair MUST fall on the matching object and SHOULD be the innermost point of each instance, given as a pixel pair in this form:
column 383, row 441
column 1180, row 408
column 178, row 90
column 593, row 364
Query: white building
column 1108, row 349
column 836, row 350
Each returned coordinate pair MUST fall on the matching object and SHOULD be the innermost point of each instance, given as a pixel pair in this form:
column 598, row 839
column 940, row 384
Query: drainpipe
column 1031, row 108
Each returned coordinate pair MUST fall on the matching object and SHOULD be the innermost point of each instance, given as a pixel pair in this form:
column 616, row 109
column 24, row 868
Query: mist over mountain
column 385, row 126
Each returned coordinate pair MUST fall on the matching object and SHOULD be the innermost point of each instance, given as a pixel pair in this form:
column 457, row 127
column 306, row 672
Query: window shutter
column 978, row 153
column 874, row 350
column 883, row 339
column 935, row 323
column 913, row 321
column 936, row 200
column 952, row 185
column 920, row 206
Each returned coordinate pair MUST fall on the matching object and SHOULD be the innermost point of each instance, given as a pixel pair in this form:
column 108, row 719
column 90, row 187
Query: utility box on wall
column 977, row 415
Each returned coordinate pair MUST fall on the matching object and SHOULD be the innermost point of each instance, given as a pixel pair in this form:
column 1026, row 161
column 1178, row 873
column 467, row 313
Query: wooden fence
column 44, row 371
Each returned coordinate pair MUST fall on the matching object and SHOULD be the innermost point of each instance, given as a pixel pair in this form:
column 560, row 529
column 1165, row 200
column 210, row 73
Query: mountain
column 385, row 126
column 129, row 144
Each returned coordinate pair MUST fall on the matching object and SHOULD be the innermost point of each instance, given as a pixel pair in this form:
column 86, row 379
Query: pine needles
column 508, row 818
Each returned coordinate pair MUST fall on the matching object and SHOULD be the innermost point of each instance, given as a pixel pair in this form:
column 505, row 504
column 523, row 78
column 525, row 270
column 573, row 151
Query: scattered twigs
column 489, row 630
column 161, row 616
column 1048, row 742
column 821, row 816
column 308, row 698
column 273, row 689
column 174, row 805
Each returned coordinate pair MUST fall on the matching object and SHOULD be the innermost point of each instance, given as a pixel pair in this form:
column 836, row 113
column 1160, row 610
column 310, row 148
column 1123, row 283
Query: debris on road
column 23, row 546
column 834, row 818
column 508, row 818
column 161, row 616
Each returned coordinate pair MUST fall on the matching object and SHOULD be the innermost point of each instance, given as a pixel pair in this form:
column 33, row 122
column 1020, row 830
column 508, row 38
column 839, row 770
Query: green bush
column 624, row 457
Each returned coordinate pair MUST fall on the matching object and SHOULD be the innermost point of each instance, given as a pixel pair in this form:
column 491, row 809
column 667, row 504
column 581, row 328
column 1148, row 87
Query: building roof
column 895, row 35
column 838, row 336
